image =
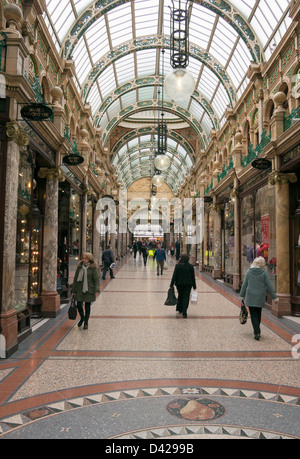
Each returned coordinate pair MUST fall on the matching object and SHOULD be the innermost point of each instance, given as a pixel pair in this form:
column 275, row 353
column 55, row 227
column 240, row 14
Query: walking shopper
column 108, row 260
column 160, row 256
column 253, row 291
column 144, row 253
column 85, row 287
column 184, row 279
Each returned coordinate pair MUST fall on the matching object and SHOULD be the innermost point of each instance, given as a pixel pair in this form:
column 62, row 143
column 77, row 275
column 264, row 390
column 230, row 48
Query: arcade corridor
column 141, row 371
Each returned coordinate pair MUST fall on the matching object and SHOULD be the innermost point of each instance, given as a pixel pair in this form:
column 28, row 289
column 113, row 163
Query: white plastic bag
column 194, row 296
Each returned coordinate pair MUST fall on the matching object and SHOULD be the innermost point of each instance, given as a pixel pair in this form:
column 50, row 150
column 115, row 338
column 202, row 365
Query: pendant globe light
column 179, row 84
column 158, row 180
column 162, row 162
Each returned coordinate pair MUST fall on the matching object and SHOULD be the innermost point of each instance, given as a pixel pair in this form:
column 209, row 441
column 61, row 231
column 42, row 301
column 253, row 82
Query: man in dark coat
column 177, row 249
column 184, row 279
column 108, row 259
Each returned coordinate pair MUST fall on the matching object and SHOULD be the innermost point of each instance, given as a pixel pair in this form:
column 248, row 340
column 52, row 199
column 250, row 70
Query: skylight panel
column 207, row 83
column 114, row 109
column 80, row 5
column 146, row 93
column 244, row 6
column 107, row 81
column 128, row 98
column 220, row 101
column 97, row 39
column 117, row 16
column 146, row 17
column 125, row 69
column 94, row 98
column 146, row 62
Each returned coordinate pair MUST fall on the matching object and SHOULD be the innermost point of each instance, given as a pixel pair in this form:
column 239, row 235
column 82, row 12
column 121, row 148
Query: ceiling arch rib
column 150, row 104
column 154, row 42
column 223, row 8
column 146, row 82
column 175, row 137
column 136, row 160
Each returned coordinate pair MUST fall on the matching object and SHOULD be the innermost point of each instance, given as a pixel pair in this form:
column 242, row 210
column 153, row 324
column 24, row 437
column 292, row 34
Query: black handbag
column 171, row 299
column 72, row 312
column 243, row 314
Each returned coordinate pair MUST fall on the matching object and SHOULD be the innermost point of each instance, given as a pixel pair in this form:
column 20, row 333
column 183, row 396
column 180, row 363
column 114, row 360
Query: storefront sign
column 261, row 164
column 36, row 112
column 73, row 160
column 208, row 199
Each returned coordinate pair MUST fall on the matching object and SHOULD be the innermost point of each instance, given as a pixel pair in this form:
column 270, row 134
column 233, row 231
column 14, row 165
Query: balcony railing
column 289, row 121
column 253, row 153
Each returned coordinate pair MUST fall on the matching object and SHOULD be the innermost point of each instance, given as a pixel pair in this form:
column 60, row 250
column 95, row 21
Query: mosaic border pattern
column 28, row 416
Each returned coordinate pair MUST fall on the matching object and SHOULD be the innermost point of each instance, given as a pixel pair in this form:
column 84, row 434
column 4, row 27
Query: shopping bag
column 171, row 299
column 243, row 314
column 165, row 266
column 194, row 296
column 72, row 312
column 151, row 253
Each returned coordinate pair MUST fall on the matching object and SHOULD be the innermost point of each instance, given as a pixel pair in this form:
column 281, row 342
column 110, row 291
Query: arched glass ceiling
column 136, row 159
column 232, row 33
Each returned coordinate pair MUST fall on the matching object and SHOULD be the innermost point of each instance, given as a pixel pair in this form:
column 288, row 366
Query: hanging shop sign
column 73, row 160
column 36, row 112
column 208, row 199
column 261, row 164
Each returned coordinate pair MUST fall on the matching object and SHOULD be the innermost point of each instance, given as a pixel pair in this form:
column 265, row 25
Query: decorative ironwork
column 225, row 170
column 253, row 153
column 289, row 121
column 179, row 42
column 3, row 38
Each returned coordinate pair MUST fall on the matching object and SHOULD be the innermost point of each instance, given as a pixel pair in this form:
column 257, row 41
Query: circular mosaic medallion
column 196, row 409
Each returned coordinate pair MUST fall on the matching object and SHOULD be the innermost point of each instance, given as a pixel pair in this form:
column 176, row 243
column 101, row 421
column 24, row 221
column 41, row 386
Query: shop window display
column 248, row 249
column 89, row 225
column 258, row 230
column 229, row 238
column 265, row 229
column 69, row 237
column 209, row 243
column 23, row 234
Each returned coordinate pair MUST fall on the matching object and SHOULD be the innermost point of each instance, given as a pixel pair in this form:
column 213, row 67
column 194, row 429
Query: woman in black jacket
column 184, row 279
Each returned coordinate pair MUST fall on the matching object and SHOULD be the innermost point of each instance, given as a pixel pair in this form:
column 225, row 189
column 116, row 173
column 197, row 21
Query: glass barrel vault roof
column 117, row 48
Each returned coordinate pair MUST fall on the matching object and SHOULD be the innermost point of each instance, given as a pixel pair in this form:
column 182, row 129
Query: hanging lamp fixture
column 179, row 84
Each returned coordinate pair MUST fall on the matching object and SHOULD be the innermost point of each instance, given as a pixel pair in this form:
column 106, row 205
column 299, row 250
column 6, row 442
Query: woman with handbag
column 253, row 290
column 86, row 287
column 184, row 279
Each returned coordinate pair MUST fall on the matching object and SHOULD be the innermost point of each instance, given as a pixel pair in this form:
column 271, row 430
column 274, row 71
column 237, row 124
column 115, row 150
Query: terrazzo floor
column 142, row 371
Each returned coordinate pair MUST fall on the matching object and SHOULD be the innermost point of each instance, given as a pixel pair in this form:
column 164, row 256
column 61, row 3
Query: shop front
column 69, row 232
column 290, row 164
column 258, row 228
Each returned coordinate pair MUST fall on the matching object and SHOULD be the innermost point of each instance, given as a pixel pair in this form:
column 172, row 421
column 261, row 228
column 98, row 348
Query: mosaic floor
column 141, row 371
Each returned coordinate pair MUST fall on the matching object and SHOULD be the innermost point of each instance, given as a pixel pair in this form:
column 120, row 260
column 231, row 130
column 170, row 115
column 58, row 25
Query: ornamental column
column 16, row 139
column 281, row 182
column 50, row 297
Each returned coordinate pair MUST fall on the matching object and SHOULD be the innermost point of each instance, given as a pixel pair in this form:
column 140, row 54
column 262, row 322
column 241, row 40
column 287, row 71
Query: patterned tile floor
column 141, row 371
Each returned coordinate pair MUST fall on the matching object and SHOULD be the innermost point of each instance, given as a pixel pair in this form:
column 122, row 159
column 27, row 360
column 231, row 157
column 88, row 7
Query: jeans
column 83, row 316
column 255, row 314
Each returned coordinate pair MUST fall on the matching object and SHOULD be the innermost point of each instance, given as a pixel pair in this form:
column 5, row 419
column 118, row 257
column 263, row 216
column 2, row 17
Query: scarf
column 83, row 276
